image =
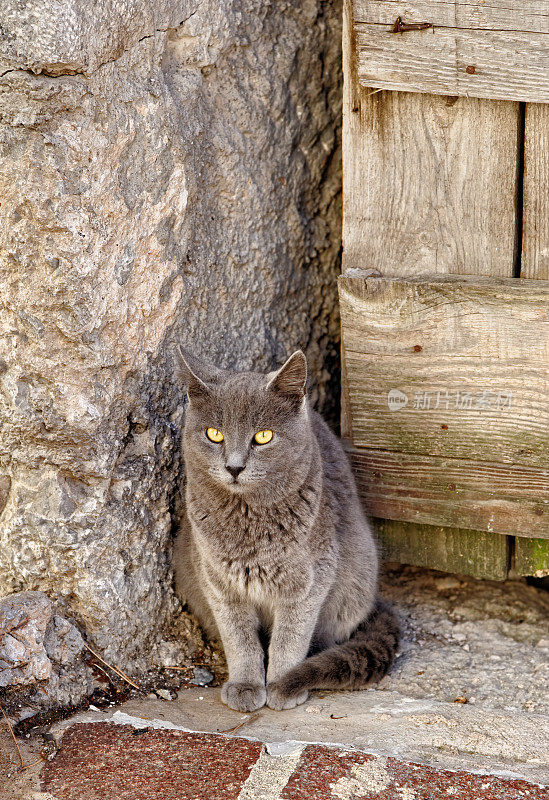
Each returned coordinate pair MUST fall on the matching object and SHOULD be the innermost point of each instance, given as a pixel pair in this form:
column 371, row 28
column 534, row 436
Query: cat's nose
column 235, row 470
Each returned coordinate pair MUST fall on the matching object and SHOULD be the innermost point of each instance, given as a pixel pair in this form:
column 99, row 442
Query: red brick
column 103, row 761
column 320, row 768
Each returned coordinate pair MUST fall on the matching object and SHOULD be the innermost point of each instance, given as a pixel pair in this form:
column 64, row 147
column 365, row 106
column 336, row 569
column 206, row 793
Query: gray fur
column 284, row 547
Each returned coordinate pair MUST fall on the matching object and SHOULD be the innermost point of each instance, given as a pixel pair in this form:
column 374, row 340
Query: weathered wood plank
column 425, row 339
column 500, row 65
column 535, row 233
column 499, row 15
column 419, row 180
column 449, row 549
column 429, row 186
column 437, row 315
column 454, row 492
column 531, row 557
column 345, row 401
column 484, row 410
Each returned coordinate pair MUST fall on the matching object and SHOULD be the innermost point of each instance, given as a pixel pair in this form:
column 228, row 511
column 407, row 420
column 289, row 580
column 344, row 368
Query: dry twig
column 13, row 737
column 251, row 718
column 105, row 673
column 116, row 670
column 32, row 764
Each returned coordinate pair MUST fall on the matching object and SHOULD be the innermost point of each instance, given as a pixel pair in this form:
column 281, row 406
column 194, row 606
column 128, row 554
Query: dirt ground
column 482, row 641
column 17, row 783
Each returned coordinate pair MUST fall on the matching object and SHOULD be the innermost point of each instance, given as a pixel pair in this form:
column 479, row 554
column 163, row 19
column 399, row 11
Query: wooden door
column 445, row 287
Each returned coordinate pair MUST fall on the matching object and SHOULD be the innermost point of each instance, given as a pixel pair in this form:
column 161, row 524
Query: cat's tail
column 365, row 657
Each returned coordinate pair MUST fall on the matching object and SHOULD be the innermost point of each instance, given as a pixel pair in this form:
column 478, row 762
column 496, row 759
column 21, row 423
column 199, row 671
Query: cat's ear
column 199, row 376
column 291, row 378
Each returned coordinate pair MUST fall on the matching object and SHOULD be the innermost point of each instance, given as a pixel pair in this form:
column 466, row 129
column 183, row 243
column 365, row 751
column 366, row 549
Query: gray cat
column 275, row 543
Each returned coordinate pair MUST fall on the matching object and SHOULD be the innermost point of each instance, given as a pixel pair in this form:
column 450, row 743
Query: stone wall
column 169, row 172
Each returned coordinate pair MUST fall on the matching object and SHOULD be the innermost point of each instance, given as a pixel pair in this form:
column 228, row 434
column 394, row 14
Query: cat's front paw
column 243, row 696
column 279, row 700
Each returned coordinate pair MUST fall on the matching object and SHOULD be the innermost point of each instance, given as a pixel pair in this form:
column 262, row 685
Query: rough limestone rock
column 23, row 621
column 169, row 172
column 40, row 652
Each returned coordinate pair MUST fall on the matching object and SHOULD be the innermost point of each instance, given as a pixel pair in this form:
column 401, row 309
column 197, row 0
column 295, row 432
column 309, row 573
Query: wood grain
column 455, row 492
column 460, row 316
column 429, row 186
column 535, row 232
column 528, row 15
column 469, row 50
column 456, row 347
column 466, row 552
column 428, row 181
column 512, row 435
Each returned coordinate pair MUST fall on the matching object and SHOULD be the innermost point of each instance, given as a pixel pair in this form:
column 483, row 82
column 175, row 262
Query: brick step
column 110, row 761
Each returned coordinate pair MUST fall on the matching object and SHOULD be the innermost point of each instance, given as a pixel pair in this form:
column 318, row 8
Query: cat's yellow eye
column 214, row 435
column 262, row 437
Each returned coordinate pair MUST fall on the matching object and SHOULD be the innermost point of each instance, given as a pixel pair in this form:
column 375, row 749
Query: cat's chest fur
column 259, row 551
